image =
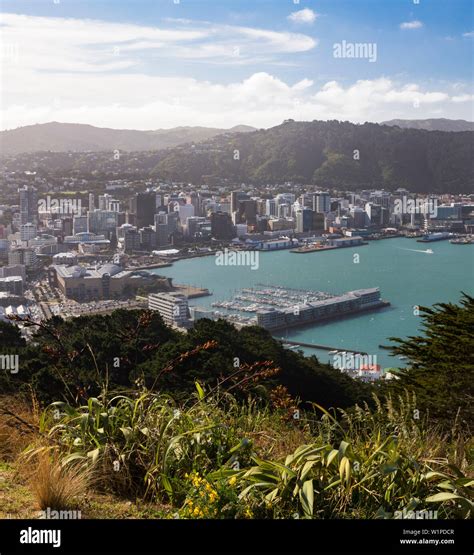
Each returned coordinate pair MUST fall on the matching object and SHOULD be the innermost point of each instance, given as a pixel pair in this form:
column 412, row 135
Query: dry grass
column 18, row 426
column 55, row 485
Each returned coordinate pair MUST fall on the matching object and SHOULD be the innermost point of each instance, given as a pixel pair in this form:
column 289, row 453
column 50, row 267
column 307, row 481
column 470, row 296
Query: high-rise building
column 304, row 220
column 271, row 207
column 131, row 240
column 321, row 202
column 79, row 224
column 235, row 197
column 221, row 226
column 374, row 213
column 247, row 212
column 28, row 231
column 147, row 238
column 145, row 208
column 173, row 308
column 102, row 221
column 28, row 205
column 359, row 217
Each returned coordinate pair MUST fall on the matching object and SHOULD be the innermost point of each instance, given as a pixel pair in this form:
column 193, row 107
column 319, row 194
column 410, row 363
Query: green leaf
column 94, row 455
column 307, row 497
column 443, row 496
column 200, row 391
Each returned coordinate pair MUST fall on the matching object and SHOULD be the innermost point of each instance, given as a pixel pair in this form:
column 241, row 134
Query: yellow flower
column 248, row 513
column 232, row 481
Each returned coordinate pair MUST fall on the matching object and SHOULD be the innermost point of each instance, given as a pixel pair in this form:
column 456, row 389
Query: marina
column 276, row 307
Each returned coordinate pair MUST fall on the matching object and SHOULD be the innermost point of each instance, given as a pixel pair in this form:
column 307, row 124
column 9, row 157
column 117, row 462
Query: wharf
column 304, row 250
column 191, row 292
column 322, row 347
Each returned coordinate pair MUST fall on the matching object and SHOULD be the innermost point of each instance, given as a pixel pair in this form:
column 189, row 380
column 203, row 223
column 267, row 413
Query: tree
column 441, row 363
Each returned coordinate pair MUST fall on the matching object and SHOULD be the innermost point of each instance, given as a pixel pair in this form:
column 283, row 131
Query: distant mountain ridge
column 331, row 154
column 77, row 137
column 437, row 124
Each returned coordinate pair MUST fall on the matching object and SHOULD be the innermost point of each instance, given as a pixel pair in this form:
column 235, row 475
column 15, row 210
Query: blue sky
column 156, row 63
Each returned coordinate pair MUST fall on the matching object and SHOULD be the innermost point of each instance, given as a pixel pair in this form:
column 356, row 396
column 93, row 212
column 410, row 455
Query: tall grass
column 247, row 460
column 58, row 486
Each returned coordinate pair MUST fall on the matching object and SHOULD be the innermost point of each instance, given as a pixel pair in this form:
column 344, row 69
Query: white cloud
column 468, row 35
column 303, row 16
column 411, row 24
column 58, row 44
column 66, row 70
column 141, row 101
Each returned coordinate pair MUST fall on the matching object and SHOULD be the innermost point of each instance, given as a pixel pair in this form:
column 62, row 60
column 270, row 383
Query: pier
column 322, row 347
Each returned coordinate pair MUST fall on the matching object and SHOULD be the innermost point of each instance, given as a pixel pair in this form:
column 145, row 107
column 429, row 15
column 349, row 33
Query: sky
column 151, row 64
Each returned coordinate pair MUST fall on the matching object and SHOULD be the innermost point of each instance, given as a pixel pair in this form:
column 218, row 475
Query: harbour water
column 407, row 275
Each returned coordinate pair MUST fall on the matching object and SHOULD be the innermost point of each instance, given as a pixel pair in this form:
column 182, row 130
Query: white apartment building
column 172, row 307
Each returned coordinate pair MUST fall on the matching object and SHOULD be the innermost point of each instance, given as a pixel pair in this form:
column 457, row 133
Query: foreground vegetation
column 177, row 430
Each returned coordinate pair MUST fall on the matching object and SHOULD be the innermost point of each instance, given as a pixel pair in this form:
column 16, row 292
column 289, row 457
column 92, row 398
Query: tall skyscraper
column 321, row 202
column 28, row 205
column 221, row 226
column 145, row 208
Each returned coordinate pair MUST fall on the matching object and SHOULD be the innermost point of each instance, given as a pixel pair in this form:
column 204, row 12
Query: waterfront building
column 311, row 312
column 304, row 220
column 173, row 308
column 109, row 281
column 222, row 227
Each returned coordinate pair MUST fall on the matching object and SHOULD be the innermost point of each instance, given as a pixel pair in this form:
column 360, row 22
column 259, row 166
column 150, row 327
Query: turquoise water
column 407, row 277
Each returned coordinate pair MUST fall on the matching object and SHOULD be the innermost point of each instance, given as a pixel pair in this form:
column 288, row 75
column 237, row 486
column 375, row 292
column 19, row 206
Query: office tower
column 374, row 213
column 221, row 226
column 67, row 226
column 235, row 197
column 321, row 202
column 318, row 223
column 271, row 207
column 381, row 198
column 104, row 201
column 102, row 221
column 28, row 231
column 193, row 199
column 185, row 211
column 247, row 212
column 28, row 205
column 91, row 201
column 79, row 224
column 304, row 220
column 131, row 240
column 359, row 217
column 147, row 238
column 145, row 208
